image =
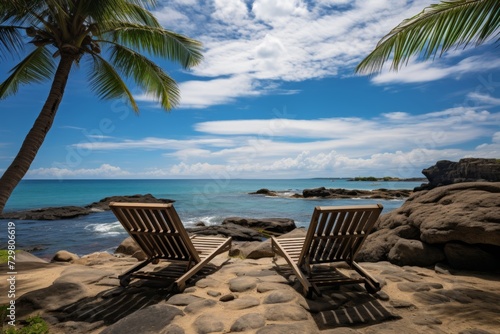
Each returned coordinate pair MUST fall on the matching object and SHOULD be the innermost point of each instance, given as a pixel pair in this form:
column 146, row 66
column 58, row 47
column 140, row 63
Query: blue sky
column 275, row 97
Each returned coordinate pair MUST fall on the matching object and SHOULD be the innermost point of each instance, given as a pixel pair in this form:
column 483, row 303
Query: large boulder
column 446, row 172
column 464, row 213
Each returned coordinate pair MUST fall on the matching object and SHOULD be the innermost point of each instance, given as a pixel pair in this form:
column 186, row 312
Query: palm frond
column 149, row 76
column 11, row 41
column 160, row 42
column 37, row 67
column 107, row 83
column 435, row 30
column 118, row 10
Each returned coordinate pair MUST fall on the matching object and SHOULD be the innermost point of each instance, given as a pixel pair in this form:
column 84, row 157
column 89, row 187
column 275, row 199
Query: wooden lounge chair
column 336, row 233
column 159, row 232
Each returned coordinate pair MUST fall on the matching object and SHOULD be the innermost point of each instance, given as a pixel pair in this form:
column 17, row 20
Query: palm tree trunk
column 35, row 137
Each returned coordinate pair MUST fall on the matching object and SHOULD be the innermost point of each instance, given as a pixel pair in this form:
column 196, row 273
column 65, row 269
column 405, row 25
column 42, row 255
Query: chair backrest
column 157, row 229
column 336, row 233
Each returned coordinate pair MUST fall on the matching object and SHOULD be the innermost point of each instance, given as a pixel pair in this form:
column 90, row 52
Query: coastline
column 255, row 296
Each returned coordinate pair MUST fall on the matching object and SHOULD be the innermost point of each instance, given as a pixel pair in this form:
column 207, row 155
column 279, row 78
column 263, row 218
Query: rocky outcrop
column 68, row 212
column 446, row 172
column 458, row 223
column 354, row 193
column 266, row 226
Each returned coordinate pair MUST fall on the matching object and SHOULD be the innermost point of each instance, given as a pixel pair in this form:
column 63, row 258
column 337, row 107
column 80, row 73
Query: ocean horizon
column 206, row 200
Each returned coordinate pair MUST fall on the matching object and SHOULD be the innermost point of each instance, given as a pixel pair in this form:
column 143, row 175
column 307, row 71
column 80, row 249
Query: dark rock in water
column 51, row 213
column 103, row 204
column 265, row 191
column 467, row 214
column 68, row 212
column 446, row 172
column 264, row 225
column 354, row 193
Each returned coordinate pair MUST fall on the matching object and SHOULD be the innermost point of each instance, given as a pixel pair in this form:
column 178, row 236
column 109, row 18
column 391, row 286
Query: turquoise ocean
column 207, row 200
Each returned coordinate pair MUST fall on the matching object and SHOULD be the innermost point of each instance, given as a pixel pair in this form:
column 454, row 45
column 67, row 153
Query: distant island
column 387, row 178
column 374, row 179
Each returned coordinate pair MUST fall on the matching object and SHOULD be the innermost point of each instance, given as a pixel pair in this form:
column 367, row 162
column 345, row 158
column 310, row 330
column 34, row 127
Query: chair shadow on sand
column 111, row 305
column 341, row 306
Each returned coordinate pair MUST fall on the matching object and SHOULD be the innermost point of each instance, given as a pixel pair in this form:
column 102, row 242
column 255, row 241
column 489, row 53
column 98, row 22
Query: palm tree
column 434, row 31
column 110, row 34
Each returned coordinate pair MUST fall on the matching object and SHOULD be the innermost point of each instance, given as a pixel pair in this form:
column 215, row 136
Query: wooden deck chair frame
column 335, row 234
column 159, row 232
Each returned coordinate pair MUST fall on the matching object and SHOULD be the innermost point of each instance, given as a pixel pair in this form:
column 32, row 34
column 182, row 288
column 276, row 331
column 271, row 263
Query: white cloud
column 230, row 10
column 397, row 144
column 286, row 40
column 430, row 71
column 103, row 171
column 273, row 10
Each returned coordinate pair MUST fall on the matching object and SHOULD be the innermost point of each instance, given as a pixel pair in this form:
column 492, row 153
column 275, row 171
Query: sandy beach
column 251, row 296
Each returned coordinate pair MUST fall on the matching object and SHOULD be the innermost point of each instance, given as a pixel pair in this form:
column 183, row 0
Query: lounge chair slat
column 159, row 232
column 335, row 234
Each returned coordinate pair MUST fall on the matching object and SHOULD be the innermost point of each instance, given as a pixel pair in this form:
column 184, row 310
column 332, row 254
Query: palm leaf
column 435, row 30
column 149, row 76
column 38, row 66
column 158, row 41
column 107, row 83
column 11, row 41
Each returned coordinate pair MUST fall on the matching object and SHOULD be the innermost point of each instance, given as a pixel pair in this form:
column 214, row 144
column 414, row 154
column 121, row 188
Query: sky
column 276, row 96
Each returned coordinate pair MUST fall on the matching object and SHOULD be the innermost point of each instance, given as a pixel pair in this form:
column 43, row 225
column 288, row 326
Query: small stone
column 248, row 321
column 279, row 296
column 183, row 299
column 207, row 283
column 198, row 306
column 286, row 313
column 213, row 293
column 269, row 286
column 242, row 303
column 64, row 256
column 382, row 296
column 396, row 303
column 208, row 323
column 241, row 284
column 227, row 298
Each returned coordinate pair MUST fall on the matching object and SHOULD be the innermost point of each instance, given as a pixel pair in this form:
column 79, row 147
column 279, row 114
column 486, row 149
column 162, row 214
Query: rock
column 446, row 172
column 351, row 193
column 415, row 253
column 68, row 212
column 279, row 296
column 208, row 323
column 462, row 256
column 64, row 256
column 465, row 213
column 103, row 204
column 264, row 191
column 183, row 299
column 252, row 249
column 130, row 247
column 266, row 226
column 150, row 320
column 242, row 303
column 199, row 305
column 248, row 321
column 286, row 313
column 238, row 233
column 241, row 284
